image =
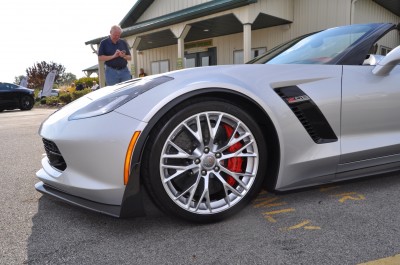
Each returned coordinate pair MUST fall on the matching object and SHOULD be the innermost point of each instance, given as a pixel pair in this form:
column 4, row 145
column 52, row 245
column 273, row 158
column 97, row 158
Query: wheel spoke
column 198, row 133
column 179, row 170
column 192, row 192
column 239, row 153
column 237, row 176
column 181, row 153
column 192, row 189
column 205, row 195
column 233, row 141
column 213, row 130
column 234, row 132
column 227, row 186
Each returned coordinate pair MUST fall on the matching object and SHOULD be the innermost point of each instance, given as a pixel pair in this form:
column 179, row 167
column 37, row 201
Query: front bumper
column 113, row 210
column 94, row 151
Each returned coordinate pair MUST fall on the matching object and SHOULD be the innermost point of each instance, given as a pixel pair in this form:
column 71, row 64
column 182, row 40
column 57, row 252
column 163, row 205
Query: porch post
column 181, row 48
column 134, row 61
column 246, row 42
column 100, row 64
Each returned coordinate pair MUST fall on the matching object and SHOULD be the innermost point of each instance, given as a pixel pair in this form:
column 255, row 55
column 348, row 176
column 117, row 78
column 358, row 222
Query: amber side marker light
column 128, row 157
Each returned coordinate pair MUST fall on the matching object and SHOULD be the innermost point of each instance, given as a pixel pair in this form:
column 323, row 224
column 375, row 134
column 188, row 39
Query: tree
column 17, row 79
column 37, row 73
column 67, row 79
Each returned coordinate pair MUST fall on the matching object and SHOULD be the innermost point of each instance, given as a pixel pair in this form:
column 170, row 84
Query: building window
column 238, row 55
column 159, row 67
column 383, row 50
column 190, row 62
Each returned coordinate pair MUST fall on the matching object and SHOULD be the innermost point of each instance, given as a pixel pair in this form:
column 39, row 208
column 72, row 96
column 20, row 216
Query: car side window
column 323, row 47
column 382, row 47
column 3, row 86
column 11, row 86
column 7, row 86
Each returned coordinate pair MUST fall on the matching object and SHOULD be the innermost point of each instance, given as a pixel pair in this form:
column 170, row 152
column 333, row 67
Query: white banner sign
column 24, row 82
column 48, row 83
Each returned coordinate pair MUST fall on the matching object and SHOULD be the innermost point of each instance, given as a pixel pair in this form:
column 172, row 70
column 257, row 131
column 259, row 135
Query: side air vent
column 53, row 154
column 308, row 113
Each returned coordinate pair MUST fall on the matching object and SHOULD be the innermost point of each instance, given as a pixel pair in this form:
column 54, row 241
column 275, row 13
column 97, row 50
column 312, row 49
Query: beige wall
column 314, row 15
column 367, row 11
column 164, row 7
column 169, row 53
column 267, row 38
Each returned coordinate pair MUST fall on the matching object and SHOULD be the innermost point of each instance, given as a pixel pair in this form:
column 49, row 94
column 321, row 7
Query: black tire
column 214, row 183
column 26, row 103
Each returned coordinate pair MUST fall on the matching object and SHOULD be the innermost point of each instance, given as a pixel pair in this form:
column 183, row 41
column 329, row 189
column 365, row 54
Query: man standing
column 115, row 53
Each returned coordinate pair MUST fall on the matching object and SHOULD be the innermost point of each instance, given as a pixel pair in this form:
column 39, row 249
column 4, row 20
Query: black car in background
column 15, row 97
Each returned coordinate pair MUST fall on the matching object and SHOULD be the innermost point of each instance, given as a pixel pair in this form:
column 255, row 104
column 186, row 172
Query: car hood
column 29, row 90
column 250, row 80
column 254, row 81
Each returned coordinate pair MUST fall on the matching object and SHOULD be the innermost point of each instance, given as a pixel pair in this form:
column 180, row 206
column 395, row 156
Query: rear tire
column 26, row 103
column 204, row 161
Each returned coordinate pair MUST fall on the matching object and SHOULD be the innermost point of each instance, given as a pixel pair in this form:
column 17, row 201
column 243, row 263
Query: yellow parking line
column 267, row 215
column 394, row 260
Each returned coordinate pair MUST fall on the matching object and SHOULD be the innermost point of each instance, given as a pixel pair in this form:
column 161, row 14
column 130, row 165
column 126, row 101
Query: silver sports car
column 202, row 142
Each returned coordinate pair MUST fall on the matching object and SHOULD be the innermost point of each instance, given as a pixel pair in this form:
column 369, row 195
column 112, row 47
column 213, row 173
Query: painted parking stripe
column 394, row 260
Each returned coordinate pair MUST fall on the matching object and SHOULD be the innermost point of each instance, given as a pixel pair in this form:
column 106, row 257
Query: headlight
column 118, row 98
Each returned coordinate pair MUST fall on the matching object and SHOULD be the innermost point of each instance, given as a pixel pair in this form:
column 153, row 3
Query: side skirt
column 369, row 171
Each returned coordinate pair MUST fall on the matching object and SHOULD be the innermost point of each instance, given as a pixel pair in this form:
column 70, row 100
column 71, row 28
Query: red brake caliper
column 235, row 163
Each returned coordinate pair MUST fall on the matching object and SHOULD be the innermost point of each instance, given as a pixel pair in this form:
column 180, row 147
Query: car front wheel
column 205, row 161
column 26, row 103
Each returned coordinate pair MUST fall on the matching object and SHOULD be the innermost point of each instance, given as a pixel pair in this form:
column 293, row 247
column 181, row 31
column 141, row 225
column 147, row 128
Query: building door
column 201, row 58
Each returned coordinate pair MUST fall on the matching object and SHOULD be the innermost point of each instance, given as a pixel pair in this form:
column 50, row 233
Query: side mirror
column 387, row 64
column 373, row 59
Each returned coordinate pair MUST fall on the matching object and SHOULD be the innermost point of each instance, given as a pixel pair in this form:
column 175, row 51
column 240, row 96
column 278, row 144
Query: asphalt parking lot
column 345, row 223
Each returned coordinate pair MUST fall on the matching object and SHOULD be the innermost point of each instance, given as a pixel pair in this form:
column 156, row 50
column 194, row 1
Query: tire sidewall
column 22, row 103
column 158, row 139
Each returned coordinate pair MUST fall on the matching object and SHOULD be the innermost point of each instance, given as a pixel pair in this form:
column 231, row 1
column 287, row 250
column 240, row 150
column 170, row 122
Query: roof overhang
column 92, row 68
column 391, row 5
column 207, row 29
column 198, row 11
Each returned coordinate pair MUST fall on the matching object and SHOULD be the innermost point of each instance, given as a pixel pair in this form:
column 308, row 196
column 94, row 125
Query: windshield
column 317, row 48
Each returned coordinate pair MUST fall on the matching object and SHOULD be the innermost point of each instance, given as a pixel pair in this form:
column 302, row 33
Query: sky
column 54, row 31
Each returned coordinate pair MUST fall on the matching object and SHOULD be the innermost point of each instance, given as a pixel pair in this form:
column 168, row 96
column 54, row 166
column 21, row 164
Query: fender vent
column 308, row 113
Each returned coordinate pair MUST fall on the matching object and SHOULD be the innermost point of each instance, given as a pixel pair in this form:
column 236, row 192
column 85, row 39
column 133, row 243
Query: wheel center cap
column 209, row 161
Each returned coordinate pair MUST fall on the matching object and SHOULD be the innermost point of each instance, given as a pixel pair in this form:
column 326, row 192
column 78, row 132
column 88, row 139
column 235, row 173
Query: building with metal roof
column 175, row 34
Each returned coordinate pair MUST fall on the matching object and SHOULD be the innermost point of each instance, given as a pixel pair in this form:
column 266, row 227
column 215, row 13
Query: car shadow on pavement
column 62, row 233
column 65, row 234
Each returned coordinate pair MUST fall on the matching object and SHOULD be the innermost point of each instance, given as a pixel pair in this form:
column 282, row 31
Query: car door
column 370, row 124
column 7, row 95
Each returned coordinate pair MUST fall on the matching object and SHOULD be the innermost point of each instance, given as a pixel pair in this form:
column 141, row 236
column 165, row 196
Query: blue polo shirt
column 107, row 47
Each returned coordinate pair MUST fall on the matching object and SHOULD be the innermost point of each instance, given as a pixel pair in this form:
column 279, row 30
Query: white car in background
column 53, row 93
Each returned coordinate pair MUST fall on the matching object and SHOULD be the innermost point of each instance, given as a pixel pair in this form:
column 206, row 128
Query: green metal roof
column 208, row 8
column 135, row 13
column 92, row 68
